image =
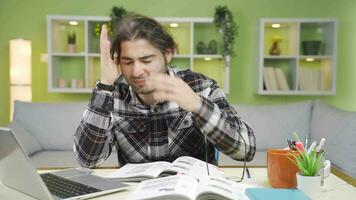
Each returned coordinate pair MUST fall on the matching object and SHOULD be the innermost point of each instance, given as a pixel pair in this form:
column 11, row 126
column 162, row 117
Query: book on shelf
column 185, row 187
column 275, row 194
column 182, row 165
column 274, row 79
column 314, row 79
column 281, row 79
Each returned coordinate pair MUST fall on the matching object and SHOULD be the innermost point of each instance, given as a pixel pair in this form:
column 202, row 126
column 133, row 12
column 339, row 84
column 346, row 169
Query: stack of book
column 274, row 79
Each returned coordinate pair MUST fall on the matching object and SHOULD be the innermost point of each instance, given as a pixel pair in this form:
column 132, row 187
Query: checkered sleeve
column 223, row 127
column 93, row 138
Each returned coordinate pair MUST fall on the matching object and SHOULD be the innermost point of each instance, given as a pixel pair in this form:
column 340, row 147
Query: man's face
column 139, row 60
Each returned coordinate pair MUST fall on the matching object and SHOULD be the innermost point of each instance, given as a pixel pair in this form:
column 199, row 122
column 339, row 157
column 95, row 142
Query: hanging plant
column 97, row 28
column 224, row 22
column 117, row 13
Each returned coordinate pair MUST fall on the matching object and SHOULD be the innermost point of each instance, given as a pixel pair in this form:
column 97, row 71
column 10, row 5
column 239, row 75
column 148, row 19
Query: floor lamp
column 20, row 72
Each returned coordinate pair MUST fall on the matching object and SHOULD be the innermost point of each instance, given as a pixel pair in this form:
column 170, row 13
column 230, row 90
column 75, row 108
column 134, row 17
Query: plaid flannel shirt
column 164, row 131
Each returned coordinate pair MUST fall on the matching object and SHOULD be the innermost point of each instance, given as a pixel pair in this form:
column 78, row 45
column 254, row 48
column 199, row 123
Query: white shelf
column 94, row 55
column 85, row 64
column 207, row 56
column 71, row 90
column 305, row 74
column 69, row 54
column 280, row 57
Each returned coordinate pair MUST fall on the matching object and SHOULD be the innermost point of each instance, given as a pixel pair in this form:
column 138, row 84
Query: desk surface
column 334, row 188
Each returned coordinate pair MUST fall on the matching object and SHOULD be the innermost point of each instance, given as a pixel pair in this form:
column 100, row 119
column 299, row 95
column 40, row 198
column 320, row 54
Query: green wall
column 27, row 19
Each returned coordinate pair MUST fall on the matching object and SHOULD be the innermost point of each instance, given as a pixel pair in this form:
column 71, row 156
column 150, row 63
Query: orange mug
column 280, row 169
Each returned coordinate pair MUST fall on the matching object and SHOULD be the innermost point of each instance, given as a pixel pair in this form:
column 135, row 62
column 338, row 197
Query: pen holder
column 280, row 168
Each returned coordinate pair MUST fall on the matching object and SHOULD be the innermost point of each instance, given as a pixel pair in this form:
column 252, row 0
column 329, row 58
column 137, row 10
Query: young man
column 154, row 112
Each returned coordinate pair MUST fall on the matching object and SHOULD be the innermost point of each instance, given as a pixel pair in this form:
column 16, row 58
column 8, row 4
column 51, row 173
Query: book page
column 139, row 171
column 172, row 187
column 193, row 167
column 221, row 188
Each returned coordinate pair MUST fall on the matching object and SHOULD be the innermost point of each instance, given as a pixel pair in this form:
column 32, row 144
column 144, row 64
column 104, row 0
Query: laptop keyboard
column 65, row 188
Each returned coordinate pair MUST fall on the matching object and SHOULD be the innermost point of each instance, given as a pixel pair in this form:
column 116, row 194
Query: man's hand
column 109, row 70
column 169, row 88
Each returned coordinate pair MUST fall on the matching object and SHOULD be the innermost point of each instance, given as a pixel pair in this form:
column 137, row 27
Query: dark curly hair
column 134, row 26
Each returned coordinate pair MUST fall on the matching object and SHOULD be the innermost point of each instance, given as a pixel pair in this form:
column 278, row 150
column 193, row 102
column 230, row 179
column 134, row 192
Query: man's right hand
column 109, row 70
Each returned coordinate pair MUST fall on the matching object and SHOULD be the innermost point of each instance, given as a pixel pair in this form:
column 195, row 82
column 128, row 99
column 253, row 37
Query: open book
column 182, row 165
column 188, row 188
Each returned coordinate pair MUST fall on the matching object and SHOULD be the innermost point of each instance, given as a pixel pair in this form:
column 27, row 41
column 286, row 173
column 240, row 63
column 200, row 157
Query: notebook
column 275, row 194
column 18, row 172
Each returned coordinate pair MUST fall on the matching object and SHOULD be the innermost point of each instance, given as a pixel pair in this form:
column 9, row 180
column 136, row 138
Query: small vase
column 275, row 50
column 213, row 47
column 201, row 47
column 310, row 185
column 72, row 48
column 311, row 47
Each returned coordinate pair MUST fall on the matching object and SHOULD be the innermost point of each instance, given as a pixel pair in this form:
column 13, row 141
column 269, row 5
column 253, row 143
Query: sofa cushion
column 58, row 159
column 52, row 124
column 274, row 124
column 28, row 142
column 260, row 159
column 339, row 129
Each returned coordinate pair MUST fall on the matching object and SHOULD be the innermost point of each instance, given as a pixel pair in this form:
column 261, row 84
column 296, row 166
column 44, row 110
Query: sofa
column 46, row 131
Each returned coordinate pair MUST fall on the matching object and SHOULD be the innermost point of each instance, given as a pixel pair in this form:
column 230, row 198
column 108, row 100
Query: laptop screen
column 17, row 170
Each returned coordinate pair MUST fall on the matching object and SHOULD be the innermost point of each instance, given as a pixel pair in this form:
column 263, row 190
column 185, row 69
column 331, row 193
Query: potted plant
column 309, row 165
column 71, row 41
column 225, row 24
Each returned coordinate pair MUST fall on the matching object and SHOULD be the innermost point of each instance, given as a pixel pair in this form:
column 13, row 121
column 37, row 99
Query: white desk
column 334, row 188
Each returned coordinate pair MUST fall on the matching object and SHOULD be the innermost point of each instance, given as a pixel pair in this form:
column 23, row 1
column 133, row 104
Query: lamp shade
column 20, row 62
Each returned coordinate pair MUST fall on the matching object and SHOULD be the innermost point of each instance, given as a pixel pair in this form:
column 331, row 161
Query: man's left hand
column 169, row 88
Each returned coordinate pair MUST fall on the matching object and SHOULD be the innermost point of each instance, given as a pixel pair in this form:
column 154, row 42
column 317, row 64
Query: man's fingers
column 103, row 34
column 104, row 41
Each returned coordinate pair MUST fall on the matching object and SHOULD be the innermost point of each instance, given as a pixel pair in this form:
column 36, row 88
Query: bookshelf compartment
column 207, row 39
column 181, row 63
column 69, row 72
column 93, row 71
column 213, row 68
column 94, row 28
column 60, row 29
column 315, row 75
column 285, row 32
column 318, row 32
column 181, row 34
column 280, row 75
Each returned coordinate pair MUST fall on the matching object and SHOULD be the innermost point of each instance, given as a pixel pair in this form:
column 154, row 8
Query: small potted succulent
column 71, row 42
column 310, row 165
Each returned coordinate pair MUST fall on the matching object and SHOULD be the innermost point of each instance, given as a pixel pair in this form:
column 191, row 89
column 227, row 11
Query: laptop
column 18, row 172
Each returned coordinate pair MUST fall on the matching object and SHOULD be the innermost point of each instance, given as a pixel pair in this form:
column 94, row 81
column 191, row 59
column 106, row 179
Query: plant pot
column 72, row 48
column 311, row 47
column 310, row 185
column 280, row 168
